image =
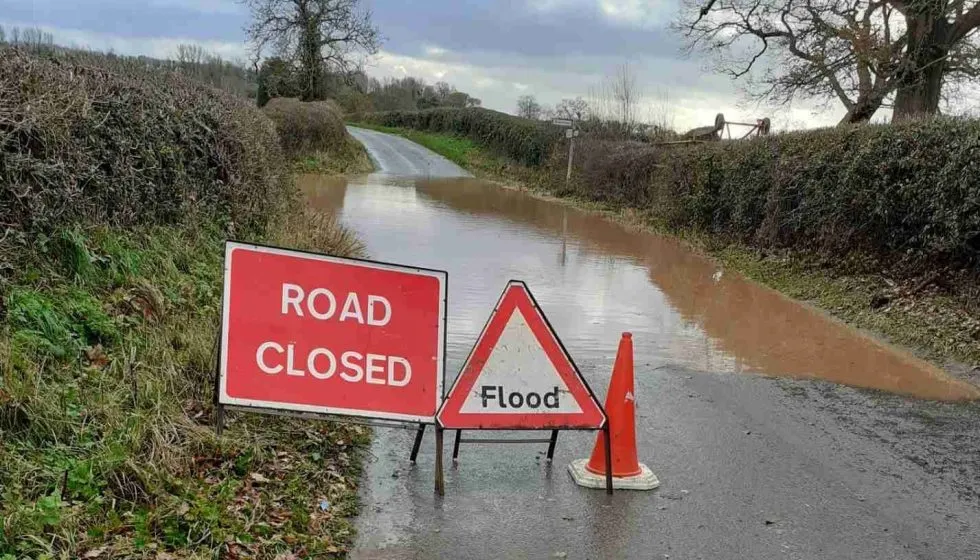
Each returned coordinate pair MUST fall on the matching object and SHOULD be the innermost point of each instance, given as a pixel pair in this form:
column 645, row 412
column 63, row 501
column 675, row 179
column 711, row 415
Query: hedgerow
column 908, row 194
column 80, row 142
column 525, row 141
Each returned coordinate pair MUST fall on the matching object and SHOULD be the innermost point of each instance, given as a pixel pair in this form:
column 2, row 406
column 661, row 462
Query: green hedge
column 89, row 139
column 525, row 141
column 907, row 193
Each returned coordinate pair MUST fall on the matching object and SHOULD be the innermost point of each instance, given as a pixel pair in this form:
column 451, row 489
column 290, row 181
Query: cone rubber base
column 646, row 480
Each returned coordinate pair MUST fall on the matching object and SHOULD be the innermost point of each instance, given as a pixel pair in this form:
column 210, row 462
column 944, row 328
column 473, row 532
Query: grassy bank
column 118, row 187
column 107, row 353
column 939, row 320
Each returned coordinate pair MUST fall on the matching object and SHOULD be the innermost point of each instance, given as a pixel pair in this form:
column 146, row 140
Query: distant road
column 395, row 155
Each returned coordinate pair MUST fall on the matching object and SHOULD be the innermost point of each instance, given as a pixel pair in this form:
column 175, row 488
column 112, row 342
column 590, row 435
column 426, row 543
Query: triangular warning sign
column 518, row 375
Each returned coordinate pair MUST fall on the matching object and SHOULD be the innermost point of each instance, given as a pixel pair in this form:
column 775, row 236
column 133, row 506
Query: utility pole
column 571, row 152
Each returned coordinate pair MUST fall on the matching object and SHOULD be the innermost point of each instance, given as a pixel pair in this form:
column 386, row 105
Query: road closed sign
column 313, row 333
column 519, row 376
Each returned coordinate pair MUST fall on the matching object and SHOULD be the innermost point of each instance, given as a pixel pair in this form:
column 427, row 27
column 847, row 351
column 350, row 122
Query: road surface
column 751, row 467
column 395, row 155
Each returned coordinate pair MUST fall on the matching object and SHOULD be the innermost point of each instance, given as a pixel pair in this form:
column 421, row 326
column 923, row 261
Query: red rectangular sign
column 314, row 333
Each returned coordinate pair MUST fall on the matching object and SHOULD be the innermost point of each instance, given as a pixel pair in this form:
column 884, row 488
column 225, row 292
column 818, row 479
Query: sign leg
column 418, row 442
column 609, row 465
column 219, row 419
column 440, row 482
column 551, row 445
column 459, row 434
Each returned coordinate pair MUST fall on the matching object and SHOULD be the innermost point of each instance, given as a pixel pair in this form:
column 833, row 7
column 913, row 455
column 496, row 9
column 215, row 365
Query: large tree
column 321, row 36
column 939, row 49
column 859, row 52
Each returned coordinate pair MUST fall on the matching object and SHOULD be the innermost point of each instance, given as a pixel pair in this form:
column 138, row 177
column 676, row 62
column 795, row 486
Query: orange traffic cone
column 621, row 415
column 627, row 471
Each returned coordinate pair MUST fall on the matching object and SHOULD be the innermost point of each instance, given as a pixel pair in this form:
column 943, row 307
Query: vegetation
column 525, row 141
column 905, row 195
column 118, row 186
column 528, row 107
column 313, row 132
column 189, row 60
column 320, row 37
column 357, row 93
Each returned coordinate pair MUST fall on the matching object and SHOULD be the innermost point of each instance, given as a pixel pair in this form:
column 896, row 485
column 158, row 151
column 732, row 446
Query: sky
column 496, row 50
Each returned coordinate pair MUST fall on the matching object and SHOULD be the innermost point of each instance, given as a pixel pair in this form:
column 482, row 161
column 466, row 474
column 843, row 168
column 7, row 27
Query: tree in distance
column 528, row 107
column 320, row 36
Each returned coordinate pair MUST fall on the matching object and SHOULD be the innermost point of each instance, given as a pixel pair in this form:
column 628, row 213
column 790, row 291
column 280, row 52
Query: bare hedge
column 86, row 140
column 523, row 140
column 307, row 127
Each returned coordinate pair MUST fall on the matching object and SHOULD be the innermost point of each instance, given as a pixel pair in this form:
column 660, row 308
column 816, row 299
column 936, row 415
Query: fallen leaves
column 96, row 356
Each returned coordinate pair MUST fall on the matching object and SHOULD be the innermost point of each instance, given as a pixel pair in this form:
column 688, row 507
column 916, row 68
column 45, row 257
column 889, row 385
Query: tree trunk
column 921, row 84
column 311, row 71
column 861, row 111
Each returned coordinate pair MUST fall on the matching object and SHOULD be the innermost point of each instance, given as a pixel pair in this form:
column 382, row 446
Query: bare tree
column 626, row 93
column 321, row 35
column 660, row 113
column 572, row 109
column 813, row 48
column 188, row 55
column 858, row 52
column 528, row 107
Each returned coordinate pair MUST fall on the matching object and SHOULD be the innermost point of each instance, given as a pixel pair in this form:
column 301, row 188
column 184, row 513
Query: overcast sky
column 496, row 50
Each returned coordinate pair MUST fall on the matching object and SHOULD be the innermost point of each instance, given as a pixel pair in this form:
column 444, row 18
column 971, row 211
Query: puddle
column 595, row 278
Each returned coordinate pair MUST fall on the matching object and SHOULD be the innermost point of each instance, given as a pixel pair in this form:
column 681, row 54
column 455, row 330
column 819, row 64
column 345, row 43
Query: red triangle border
column 517, row 296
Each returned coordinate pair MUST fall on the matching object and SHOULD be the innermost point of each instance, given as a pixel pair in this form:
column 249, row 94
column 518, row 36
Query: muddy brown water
column 595, row 278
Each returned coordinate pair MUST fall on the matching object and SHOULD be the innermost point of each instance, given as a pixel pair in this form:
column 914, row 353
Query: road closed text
column 331, row 335
column 323, row 362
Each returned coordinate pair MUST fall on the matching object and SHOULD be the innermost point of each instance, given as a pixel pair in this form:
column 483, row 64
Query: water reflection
column 596, row 278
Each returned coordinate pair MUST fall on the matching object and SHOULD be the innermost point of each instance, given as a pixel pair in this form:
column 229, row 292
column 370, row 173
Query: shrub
column 307, row 127
column 81, row 143
column 525, row 141
column 907, row 193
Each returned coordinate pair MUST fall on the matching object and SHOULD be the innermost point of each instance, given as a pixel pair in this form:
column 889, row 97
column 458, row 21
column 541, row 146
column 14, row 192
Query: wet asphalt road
column 751, row 467
column 395, row 155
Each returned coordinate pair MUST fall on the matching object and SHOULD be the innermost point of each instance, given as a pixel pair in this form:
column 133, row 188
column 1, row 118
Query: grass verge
column 107, row 349
column 940, row 323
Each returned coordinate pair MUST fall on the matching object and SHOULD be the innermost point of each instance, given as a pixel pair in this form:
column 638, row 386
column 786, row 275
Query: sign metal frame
column 552, row 440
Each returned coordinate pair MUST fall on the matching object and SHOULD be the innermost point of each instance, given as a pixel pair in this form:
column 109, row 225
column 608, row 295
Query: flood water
column 595, row 278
